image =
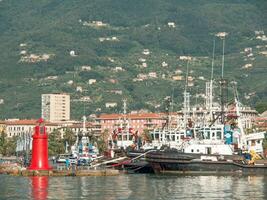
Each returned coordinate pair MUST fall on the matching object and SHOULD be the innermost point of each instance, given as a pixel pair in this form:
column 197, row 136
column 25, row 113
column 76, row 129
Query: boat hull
column 169, row 163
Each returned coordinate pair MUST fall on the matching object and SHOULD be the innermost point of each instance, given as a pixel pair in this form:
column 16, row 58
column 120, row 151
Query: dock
column 16, row 170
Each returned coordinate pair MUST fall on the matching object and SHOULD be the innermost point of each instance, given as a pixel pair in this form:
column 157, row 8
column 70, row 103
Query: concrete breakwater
column 16, row 170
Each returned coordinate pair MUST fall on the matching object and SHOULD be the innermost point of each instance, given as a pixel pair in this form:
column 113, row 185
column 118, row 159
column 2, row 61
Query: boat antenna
column 223, row 39
column 212, row 62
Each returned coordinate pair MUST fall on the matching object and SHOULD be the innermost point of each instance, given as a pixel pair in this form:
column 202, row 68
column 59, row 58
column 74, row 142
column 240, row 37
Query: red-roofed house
column 137, row 121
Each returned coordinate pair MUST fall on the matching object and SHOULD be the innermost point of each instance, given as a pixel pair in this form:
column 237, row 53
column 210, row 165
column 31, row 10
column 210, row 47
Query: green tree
column 102, row 141
column 261, row 107
column 3, row 141
column 69, row 137
column 55, row 143
column 7, row 145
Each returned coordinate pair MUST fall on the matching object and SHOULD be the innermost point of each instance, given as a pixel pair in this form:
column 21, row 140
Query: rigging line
column 212, row 62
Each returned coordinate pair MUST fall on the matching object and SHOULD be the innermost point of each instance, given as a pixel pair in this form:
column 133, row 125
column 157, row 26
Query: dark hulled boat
column 173, row 162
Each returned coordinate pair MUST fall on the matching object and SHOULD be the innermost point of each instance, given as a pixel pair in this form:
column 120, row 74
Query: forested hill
column 131, row 48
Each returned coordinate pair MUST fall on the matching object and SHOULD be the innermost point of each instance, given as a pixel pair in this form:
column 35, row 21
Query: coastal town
column 133, row 100
column 56, row 114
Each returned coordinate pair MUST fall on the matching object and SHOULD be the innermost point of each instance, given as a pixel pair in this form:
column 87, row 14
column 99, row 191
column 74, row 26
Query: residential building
column 91, row 81
column 138, row 121
column 111, row 104
column 77, row 127
column 56, row 107
column 21, row 127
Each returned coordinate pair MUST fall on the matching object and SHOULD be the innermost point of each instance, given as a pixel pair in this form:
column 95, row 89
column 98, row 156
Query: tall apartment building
column 56, row 107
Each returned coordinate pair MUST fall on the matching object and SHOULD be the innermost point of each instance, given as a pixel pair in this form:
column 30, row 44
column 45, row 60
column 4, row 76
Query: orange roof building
column 137, row 121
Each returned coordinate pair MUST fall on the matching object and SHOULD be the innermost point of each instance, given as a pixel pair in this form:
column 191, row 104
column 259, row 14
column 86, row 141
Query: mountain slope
column 54, row 28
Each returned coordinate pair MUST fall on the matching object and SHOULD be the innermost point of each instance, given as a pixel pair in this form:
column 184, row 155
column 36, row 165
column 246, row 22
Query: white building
column 56, row 107
column 171, row 24
column 91, row 81
column 26, row 126
column 111, row 104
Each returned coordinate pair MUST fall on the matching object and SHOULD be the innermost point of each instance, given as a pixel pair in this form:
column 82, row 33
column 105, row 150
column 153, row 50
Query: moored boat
column 173, row 162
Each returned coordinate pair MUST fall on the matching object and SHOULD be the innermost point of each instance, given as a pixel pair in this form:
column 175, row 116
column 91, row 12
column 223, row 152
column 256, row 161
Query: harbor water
column 134, row 187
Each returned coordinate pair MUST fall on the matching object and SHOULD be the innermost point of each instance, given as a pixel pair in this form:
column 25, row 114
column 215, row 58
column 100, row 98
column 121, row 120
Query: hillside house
column 146, row 52
column 72, row 53
column 23, row 52
column 171, row 24
column 111, row 104
column 178, row 71
column 85, row 99
column 51, row 78
column 164, row 64
column 177, row 78
column 152, row 74
column 86, row 68
column 144, row 65
column 117, row 69
column 79, row 89
column 142, row 59
column 190, row 78
column 247, row 66
column 185, row 58
column 99, row 23
column 70, row 82
column 142, row 76
column 113, row 81
column 91, row 81
column 22, row 44
column 116, row 92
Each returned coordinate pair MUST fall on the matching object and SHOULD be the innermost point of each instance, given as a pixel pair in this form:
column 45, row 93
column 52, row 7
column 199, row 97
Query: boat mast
column 186, row 105
column 211, row 81
column 242, row 143
column 84, row 126
column 125, row 121
column 223, row 82
column 209, row 87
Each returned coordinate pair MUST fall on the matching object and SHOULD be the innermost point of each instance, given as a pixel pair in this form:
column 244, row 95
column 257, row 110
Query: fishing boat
column 215, row 148
column 84, row 151
column 218, row 149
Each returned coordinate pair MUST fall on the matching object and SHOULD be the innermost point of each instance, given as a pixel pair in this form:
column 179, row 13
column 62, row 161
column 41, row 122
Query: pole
column 223, row 57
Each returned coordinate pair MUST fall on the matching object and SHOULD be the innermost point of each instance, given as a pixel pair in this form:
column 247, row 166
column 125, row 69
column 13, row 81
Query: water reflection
column 39, row 186
column 134, row 187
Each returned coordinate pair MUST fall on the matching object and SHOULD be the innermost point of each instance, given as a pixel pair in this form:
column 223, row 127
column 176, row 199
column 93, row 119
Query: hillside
column 131, row 48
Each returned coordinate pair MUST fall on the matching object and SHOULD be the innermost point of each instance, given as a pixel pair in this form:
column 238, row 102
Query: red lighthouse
column 39, row 148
